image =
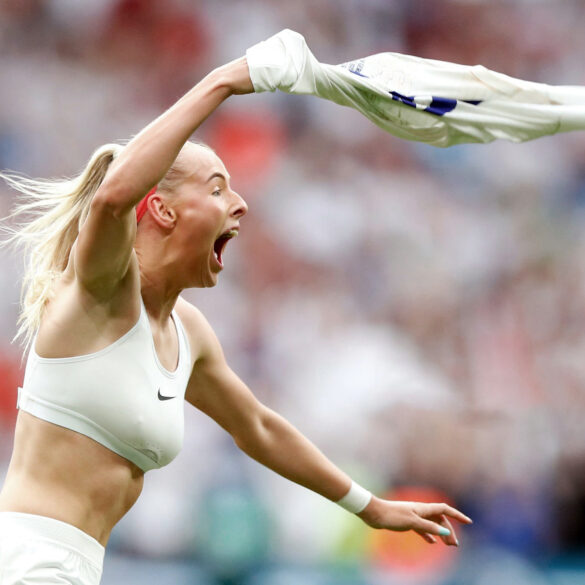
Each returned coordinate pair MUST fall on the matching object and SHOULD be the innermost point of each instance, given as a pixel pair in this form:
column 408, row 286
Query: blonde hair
column 178, row 169
column 52, row 211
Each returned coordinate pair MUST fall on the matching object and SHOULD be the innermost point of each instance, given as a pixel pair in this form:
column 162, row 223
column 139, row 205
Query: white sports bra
column 120, row 396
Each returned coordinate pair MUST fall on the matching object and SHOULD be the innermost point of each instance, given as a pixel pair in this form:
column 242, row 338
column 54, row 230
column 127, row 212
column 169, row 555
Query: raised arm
column 272, row 441
column 106, row 239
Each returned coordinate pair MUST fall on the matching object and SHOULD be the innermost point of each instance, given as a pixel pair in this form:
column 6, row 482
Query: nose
column 240, row 207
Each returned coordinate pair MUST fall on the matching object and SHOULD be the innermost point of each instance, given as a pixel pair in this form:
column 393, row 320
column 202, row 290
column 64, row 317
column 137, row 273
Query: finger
column 450, row 540
column 431, row 527
column 445, row 509
column 427, row 537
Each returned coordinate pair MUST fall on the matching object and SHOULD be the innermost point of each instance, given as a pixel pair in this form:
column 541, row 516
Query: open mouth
column 221, row 242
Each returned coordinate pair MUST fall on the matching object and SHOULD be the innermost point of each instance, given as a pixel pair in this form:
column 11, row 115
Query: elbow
column 252, row 436
column 240, row 443
column 105, row 203
column 247, row 440
column 111, row 198
column 120, row 190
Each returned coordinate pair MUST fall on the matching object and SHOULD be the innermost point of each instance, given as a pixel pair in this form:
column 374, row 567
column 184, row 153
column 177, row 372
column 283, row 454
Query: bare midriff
column 61, row 474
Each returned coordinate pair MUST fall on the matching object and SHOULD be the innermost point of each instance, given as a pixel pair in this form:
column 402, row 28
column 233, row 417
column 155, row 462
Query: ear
column 163, row 215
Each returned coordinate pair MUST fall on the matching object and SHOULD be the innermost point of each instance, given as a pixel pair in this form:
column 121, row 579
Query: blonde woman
column 114, row 350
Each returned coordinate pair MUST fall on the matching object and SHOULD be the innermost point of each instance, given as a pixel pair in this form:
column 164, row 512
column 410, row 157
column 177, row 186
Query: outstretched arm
column 271, row 440
column 149, row 155
column 106, row 239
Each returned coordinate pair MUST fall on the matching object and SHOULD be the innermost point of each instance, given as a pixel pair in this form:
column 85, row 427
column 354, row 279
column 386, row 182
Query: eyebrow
column 217, row 175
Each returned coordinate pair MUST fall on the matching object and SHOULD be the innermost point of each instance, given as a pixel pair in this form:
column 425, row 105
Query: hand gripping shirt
column 120, row 396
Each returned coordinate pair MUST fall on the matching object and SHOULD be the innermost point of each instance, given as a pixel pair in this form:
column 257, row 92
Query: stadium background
column 418, row 313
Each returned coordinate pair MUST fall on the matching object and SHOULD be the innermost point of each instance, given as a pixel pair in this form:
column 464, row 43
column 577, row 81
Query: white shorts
column 35, row 549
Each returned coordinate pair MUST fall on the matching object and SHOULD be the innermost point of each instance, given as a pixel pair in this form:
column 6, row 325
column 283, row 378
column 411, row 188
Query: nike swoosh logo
column 162, row 397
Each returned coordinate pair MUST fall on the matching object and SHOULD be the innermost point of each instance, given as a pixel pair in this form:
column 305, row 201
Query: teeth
column 232, row 233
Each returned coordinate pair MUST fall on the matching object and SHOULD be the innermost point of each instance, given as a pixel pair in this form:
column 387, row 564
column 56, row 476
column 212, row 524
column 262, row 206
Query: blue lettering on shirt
column 439, row 106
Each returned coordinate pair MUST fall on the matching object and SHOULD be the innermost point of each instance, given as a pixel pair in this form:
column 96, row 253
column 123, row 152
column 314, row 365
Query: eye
column 216, row 191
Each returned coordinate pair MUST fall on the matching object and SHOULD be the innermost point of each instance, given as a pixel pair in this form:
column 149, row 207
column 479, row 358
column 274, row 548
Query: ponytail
column 52, row 212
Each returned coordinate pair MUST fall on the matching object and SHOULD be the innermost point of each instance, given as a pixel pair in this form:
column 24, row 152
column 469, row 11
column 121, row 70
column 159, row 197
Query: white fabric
column 120, row 396
column 35, row 550
column 356, row 499
column 420, row 99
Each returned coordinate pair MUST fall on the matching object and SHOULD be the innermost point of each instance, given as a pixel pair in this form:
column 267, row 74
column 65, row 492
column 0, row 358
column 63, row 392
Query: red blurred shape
column 250, row 144
column 406, row 552
column 11, row 376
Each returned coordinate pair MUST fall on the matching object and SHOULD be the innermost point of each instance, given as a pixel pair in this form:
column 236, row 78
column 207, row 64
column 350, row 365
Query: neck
column 158, row 285
column 158, row 300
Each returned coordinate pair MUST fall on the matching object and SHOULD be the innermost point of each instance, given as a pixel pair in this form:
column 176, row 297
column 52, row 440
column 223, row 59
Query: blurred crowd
column 419, row 313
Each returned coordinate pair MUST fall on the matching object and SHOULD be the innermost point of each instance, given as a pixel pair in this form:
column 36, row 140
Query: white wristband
column 356, row 499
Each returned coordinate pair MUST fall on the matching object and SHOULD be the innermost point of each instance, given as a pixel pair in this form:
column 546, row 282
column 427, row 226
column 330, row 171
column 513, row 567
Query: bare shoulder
column 191, row 317
column 199, row 331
